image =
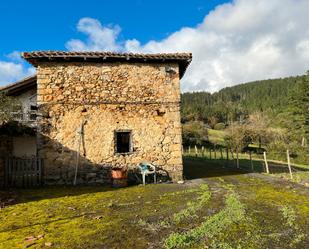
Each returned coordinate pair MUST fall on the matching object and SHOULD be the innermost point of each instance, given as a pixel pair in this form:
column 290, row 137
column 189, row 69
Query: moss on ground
column 272, row 213
column 264, row 225
column 301, row 177
column 232, row 212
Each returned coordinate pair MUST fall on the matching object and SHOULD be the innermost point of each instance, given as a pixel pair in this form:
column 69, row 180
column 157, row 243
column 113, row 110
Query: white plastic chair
column 145, row 169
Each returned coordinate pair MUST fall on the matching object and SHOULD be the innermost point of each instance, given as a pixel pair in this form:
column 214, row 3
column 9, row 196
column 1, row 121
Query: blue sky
column 232, row 41
column 47, row 25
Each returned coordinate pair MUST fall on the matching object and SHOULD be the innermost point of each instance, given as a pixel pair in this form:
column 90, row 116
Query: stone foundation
column 90, row 176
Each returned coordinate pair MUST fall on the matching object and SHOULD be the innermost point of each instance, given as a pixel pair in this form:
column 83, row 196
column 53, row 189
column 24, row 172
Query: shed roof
column 20, row 86
column 35, row 57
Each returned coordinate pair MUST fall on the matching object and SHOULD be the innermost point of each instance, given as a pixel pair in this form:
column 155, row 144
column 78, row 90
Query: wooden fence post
column 289, row 164
column 303, row 142
column 237, row 158
column 210, row 153
column 221, row 153
column 250, row 156
column 227, row 153
column 202, row 151
column 189, row 150
column 232, row 154
column 196, row 152
column 266, row 164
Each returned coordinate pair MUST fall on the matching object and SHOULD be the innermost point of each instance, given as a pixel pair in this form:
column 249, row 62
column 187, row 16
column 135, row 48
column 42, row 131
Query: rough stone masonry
column 91, row 108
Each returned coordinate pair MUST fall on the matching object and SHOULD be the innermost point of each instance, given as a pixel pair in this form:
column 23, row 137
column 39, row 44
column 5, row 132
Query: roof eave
column 19, row 86
column 37, row 57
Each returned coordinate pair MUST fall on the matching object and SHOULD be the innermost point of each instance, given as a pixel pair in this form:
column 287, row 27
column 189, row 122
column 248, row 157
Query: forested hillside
column 235, row 103
column 272, row 113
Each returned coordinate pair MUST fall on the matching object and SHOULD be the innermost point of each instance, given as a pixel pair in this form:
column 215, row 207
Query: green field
column 216, row 136
column 217, row 207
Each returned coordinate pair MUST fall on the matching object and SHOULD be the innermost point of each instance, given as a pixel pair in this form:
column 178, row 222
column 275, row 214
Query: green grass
column 216, row 136
column 194, row 205
column 277, row 168
column 227, row 209
column 233, row 212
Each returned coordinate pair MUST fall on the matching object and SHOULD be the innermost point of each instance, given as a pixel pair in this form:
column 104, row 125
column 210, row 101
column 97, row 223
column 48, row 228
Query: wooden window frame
column 130, row 142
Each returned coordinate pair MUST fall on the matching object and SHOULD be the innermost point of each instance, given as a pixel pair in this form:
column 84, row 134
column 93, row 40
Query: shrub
column 7, row 106
column 195, row 133
column 219, row 126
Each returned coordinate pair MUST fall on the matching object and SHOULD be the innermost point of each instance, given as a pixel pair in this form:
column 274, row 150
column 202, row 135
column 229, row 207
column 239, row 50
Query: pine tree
column 305, row 105
column 299, row 108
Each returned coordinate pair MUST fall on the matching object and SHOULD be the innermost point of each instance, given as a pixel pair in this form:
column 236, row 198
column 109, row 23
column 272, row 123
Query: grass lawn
column 217, row 207
column 277, row 168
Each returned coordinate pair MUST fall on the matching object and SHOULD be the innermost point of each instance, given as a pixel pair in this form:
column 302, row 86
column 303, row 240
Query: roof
column 20, row 86
column 35, row 57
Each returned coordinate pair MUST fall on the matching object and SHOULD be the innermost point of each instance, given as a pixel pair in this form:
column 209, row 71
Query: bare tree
column 258, row 126
column 238, row 136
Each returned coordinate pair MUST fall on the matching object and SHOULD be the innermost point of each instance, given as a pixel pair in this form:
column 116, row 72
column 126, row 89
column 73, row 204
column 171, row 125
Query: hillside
column 234, row 103
column 276, row 109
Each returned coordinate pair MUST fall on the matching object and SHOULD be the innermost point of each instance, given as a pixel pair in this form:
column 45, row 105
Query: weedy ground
column 217, row 207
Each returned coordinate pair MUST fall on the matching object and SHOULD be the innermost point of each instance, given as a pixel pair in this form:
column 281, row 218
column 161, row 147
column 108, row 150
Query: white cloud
column 303, row 48
column 237, row 42
column 14, row 56
column 99, row 37
column 9, row 71
column 14, row 69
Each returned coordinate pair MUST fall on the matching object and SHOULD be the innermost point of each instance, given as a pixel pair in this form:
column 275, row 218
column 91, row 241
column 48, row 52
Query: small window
column 33, row 108
column 123, row 141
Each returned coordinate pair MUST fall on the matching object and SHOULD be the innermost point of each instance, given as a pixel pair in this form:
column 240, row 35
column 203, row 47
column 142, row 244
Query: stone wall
column 102, row 98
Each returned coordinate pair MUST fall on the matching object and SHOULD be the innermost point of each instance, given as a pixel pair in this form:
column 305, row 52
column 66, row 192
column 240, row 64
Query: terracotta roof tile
column 97, row 54
column 35, row 57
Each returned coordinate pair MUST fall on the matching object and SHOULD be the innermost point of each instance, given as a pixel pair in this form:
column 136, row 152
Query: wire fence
column 249, row 161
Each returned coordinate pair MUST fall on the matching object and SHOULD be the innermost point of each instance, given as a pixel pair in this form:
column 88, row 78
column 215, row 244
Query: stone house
column 21, row 144
column 18, row 138
column 98, row 110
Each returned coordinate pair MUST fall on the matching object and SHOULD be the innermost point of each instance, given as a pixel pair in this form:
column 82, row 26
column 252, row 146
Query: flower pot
column 119, row 177
column 119, row 174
